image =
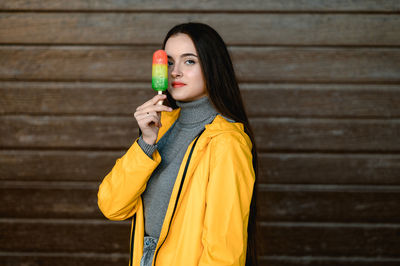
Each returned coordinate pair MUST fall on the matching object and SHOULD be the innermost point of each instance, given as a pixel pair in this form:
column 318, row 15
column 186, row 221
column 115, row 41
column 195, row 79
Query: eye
column 170, row 63
column 190, row 62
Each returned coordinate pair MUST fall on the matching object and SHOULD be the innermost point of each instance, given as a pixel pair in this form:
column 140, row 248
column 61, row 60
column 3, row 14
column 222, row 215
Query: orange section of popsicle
column 160, row 57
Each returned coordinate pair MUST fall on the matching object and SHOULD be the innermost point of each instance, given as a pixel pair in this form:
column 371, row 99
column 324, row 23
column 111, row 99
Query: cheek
column 197, row 75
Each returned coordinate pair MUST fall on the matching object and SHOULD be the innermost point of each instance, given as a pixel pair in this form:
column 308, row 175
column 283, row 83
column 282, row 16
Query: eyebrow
column 184, row 55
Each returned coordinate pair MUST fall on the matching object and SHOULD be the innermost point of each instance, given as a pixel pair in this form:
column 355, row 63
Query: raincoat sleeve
column 228, row 198
column 120, row 190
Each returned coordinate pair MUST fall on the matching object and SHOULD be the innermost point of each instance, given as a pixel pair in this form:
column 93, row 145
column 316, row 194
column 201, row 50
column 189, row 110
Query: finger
column 141, row 115
column 155, row 108
column 155, row 118
column 152, row 101
column 146, row 119
column 148, row 111
column 151, row 110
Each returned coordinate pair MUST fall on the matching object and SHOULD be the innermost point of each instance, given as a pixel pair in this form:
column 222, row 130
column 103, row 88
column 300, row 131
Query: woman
column 188, row 179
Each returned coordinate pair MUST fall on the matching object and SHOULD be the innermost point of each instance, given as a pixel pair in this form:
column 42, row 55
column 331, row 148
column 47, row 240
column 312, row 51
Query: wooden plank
column 127, row 28
column 327, row 261
column 350, row 65
column 272, row 134
column 75, row 63
column 317, row 203
column 275, row 168
column 73, row 97
column 330, row 239
column 56, row 165
column 253, row 64
column 49, row 201
column 261, row 100
column 294, row 168
column 224, row 5
column 289, row 134
column 322, row 100
column 329, row 203
column 68, row 259
column 63, row 259
column 47, row 235
column 293, row 239
column 87, row 132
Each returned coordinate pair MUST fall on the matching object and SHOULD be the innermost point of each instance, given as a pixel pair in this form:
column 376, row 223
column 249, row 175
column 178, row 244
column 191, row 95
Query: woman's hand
column 148, row 118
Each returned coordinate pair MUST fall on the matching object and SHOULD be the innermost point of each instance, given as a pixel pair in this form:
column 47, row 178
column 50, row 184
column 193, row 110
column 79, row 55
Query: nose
column 176, row 72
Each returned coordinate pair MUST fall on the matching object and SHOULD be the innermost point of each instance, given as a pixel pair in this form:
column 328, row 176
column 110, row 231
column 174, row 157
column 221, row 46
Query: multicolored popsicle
column 159, row 80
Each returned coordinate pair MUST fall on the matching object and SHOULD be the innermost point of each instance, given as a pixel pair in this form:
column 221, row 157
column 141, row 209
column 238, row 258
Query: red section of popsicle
column 160, row 57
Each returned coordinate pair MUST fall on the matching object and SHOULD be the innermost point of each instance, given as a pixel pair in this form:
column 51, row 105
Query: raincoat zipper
column 132, row 239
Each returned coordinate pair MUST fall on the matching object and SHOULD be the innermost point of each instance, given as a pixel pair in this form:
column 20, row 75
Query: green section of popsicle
column 159, row 80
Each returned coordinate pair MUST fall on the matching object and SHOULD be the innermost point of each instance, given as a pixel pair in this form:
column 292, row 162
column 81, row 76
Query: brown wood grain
column 68, row 131
column 61, row 201
column 275, row 168
column 76, row 63
column 51, row 259
column 322, row 100
column 329, row 203
column 328, row 168
column 63, row 259
column 296, row 203
column 271, row 134
column 261, row 100
column 326, row 261
column 55, row 165
column 84, row 236
column 291, row 239
column 340, row 135
column 73, row 97
column 260, row 29
column 330, row 239
column 253, row 64
column 351, row 65
column 224, row 5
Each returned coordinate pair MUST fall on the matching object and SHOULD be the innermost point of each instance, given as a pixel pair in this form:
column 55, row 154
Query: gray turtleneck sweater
column 172, row 147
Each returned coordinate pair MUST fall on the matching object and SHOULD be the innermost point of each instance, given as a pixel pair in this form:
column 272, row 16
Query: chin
column 182, row 99
column 182, row 96
column 179, row 96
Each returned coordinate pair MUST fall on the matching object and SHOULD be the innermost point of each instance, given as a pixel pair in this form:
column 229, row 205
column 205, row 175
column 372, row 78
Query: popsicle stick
column 160, row 102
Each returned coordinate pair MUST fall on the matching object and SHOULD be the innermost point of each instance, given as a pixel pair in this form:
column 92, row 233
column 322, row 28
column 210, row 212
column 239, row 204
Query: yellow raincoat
column 206, row 220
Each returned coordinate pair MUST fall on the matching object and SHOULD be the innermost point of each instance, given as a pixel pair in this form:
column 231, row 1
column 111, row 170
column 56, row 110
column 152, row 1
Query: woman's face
column 186, row 82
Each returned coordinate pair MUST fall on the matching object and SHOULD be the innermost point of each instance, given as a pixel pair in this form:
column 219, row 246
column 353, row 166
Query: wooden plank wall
column 321, row 83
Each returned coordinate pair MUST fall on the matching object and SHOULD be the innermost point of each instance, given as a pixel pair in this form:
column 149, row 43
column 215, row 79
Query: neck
column 195, row 111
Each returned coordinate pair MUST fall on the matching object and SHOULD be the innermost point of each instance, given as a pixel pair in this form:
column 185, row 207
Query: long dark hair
column 223, row 91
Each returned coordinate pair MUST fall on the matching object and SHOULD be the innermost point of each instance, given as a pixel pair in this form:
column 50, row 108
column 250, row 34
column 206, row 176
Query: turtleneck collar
column 196, row 111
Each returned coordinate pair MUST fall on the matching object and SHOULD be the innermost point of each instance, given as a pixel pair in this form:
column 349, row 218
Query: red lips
column 177, row 84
